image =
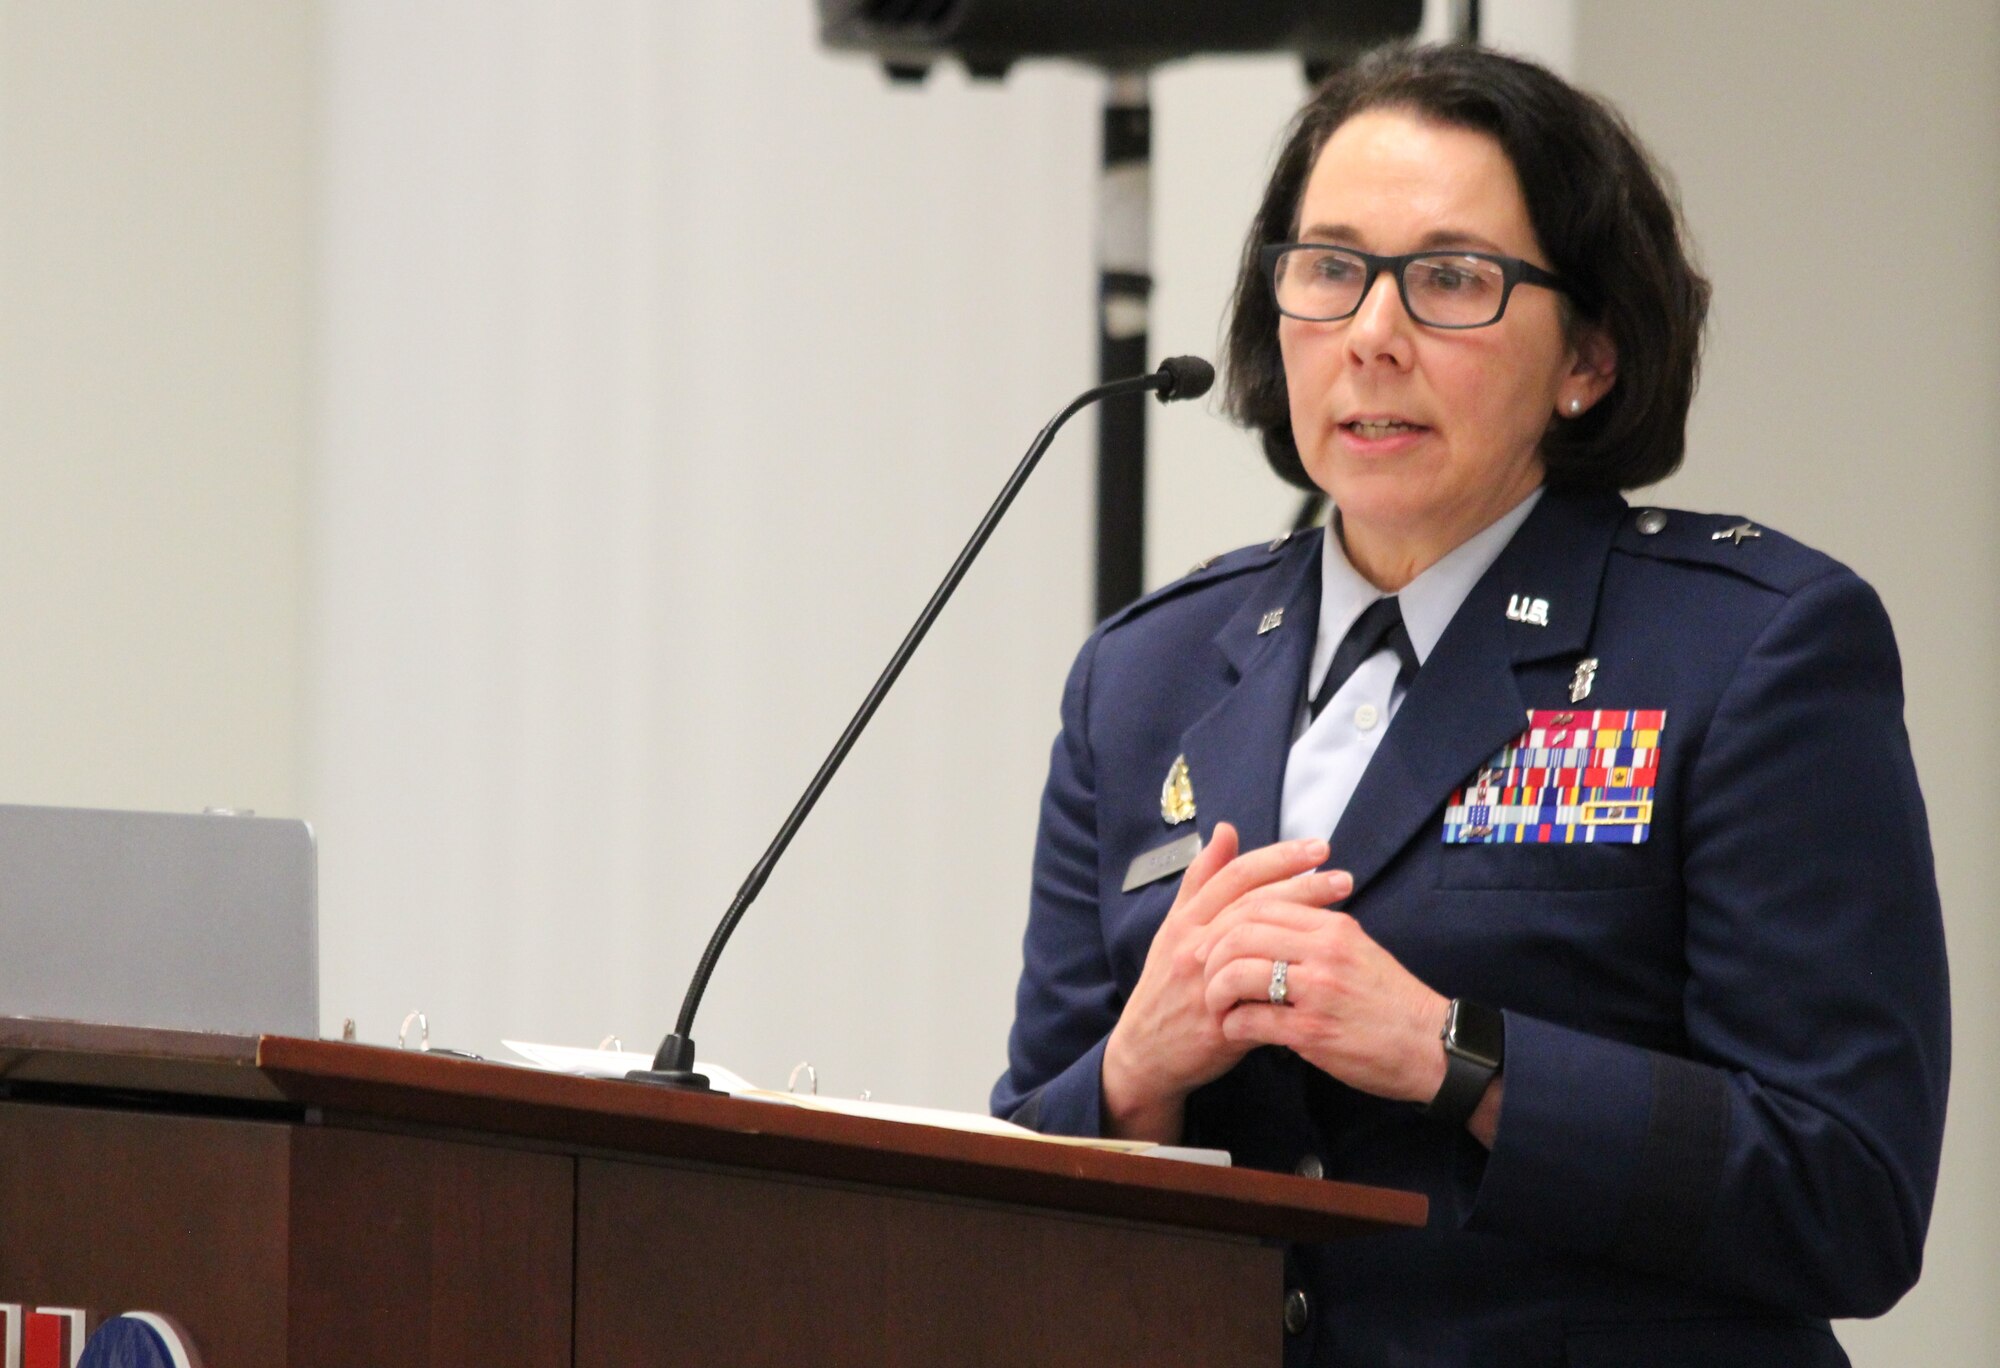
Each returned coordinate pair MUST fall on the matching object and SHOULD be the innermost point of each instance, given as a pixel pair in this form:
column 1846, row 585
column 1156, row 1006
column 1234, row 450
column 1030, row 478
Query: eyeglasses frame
column 1513, row 271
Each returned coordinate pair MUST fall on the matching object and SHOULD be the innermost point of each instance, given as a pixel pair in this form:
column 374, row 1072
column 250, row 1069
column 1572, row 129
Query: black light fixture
column 1125, row 38
column 989, row 36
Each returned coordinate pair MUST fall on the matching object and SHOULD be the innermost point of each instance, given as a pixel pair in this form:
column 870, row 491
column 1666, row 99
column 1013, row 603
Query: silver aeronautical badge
column 1586, row 675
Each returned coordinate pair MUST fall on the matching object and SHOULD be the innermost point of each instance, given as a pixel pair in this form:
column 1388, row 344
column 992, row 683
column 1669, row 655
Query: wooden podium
column 310, row 1204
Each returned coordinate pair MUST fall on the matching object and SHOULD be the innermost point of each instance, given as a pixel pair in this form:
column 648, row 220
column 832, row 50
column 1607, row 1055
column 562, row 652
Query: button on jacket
column 1726, row 1044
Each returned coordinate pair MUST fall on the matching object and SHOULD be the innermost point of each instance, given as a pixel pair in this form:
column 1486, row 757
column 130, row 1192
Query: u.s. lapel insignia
column 1522, row 608
column 1177, row 794
column 1582, row 778
column 1586, row 675
column 1270, row 621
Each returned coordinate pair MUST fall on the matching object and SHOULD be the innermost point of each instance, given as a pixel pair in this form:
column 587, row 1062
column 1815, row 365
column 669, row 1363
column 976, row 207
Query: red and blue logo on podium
column 68, row 1337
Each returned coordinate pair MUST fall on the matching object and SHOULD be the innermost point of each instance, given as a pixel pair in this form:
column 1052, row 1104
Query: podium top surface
column 335, row 1083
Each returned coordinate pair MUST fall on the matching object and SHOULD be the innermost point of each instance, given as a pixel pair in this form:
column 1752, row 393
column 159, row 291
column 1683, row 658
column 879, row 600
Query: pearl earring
column 1575, row 407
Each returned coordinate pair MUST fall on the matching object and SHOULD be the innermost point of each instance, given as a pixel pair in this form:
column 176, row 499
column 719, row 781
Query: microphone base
column 680, row 1080
column 673, row 1067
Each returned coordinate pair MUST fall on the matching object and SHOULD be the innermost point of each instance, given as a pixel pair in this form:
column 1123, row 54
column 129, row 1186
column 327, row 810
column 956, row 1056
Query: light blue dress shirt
column 1329, row 753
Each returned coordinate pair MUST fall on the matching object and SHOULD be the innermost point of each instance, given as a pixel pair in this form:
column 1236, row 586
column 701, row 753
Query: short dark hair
column 1602, row 211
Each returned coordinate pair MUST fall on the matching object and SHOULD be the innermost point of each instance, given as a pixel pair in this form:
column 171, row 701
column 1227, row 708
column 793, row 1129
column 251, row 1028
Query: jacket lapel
column 1466, row 702
column 1236, row 750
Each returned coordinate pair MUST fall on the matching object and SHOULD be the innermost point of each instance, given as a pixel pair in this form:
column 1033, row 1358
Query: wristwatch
column 1475, row 1043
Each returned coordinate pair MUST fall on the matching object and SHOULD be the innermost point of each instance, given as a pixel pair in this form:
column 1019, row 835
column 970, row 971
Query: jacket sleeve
column 1792, row 1155
column 1068, row 999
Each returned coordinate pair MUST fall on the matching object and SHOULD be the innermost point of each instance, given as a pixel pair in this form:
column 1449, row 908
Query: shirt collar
column 1428, row 602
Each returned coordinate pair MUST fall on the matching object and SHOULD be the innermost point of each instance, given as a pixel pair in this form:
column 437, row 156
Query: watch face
column 1478, row 1032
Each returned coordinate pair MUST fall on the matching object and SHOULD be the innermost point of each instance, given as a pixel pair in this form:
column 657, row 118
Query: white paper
column 570, row 1059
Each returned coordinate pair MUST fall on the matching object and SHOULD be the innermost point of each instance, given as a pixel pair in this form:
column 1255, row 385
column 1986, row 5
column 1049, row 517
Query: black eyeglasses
column 1320, row 284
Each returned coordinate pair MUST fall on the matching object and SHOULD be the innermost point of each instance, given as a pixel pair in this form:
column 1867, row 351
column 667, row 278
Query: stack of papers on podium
column 617, row 1063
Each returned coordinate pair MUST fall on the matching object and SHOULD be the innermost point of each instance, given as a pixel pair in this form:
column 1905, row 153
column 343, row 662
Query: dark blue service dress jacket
column 1727, row 1044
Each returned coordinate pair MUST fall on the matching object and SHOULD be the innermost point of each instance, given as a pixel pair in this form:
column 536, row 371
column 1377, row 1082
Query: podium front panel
column 312, row 1204
column 415, row 1250
column 112, row 1211
column 682, row 1266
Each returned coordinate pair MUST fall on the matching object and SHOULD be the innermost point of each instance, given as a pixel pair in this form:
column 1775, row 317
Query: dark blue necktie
column 1379, row 626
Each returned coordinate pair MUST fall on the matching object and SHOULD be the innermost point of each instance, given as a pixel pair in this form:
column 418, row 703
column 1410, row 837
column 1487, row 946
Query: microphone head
column 1183, row 377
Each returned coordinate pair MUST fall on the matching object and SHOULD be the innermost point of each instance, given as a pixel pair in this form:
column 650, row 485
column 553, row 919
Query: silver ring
column 1279, row 969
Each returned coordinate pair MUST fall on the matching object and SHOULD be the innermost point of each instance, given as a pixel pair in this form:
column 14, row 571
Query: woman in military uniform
column 1561, row 860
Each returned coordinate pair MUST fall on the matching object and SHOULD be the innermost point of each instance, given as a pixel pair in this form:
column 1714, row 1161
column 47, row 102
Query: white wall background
column 512, row 434
column 664, row 362
column 155, row 179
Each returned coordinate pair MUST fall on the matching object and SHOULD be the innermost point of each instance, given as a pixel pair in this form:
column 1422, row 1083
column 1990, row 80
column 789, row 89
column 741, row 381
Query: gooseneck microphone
column 1181, row 377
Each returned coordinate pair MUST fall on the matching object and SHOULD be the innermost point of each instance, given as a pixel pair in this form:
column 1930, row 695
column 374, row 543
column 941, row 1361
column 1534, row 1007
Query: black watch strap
column 1474, row 1039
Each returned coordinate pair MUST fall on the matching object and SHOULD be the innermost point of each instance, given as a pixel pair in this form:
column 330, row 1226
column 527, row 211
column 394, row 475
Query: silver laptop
column 199, row 922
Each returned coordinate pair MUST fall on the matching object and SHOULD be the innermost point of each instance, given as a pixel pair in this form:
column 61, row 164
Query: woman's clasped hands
column 1204, row 997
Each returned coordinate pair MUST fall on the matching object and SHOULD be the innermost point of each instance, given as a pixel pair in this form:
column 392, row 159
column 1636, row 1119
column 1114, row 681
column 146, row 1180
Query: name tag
column 1572, row 778
column 1161, row 861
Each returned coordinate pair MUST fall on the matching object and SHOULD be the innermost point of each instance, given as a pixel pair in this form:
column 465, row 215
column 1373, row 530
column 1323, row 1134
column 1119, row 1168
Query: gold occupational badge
column 1177, row 794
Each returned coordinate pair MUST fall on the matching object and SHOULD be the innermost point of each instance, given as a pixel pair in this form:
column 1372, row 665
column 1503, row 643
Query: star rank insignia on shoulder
column 1727, row 541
